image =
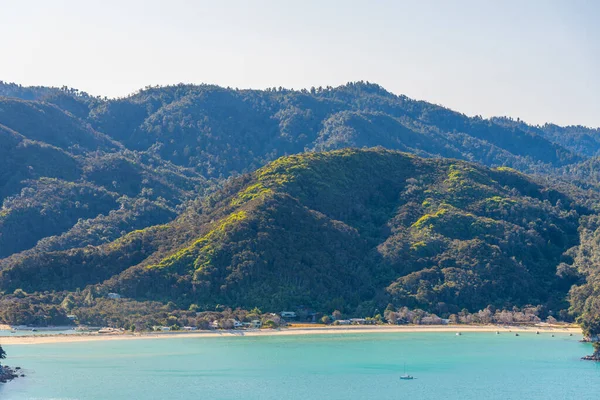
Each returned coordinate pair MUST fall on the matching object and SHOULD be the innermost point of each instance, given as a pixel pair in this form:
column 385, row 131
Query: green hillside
column 65, row 185
column 351, row 229
column 169, row 145
column 198, row 195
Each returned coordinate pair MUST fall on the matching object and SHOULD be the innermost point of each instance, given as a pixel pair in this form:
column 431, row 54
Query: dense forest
column 193, row 196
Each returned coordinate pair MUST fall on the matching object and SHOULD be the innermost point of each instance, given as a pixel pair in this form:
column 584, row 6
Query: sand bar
column 319, row 330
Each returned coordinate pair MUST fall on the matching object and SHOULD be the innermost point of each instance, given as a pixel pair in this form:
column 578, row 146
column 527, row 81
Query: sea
column 336, row 366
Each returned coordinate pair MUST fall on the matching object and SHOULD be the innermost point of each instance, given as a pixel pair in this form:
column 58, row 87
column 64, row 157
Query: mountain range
column 346, row 198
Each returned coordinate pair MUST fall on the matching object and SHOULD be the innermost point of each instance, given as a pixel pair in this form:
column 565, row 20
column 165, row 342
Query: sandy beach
column 302, row 330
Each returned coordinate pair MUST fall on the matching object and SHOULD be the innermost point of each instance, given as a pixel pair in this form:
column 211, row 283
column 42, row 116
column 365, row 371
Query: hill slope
column 219, row 131
column 57, row 174
column 95, row 189
column 165, row 145
column 348, row 228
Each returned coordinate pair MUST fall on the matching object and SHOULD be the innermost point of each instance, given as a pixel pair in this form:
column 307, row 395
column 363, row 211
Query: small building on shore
column 110, row 331
column 190, row 328
column 161, row 328
column 288, row 314
column 342, row 322
column 113, row 296
column 256, row 323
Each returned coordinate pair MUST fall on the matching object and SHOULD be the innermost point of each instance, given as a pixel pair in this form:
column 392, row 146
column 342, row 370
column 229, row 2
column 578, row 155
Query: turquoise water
column 366, row 366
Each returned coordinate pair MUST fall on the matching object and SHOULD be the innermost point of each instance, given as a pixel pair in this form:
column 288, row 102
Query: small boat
column 405, row 376
column 497, row 333
column 458, row 333
column 516, row 334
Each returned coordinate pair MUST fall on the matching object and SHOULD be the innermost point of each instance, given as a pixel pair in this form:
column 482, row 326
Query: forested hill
column 60, row 176
column 83, row 178
column 351, row 229
column 78, row 170
column 220, row 131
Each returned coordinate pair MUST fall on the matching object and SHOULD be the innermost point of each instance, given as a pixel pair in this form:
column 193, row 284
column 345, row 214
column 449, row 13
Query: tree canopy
column 202, row 195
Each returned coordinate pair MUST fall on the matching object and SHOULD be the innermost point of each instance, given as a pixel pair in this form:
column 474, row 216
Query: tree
column 336, row 315
column 226, row 324
column 68, row 303
column 391, row 317
column 485, row 316
column 326, row 319
column 2, row 353
column 270, row 324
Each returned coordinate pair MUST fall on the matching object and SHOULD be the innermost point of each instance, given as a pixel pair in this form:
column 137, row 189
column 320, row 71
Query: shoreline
column 292, row 331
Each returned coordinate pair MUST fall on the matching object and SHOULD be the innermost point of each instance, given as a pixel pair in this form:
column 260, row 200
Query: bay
column 345, row 366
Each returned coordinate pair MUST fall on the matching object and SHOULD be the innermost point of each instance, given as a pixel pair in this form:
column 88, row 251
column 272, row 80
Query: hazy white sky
column 537, row 60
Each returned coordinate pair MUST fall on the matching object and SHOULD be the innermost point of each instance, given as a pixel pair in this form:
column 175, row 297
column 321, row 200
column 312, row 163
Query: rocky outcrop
column 8, row 374
column 593, row 357
column 596, row 344
column 591, row 339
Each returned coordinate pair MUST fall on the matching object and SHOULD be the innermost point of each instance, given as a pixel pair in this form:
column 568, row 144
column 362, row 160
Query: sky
column 537, row 60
